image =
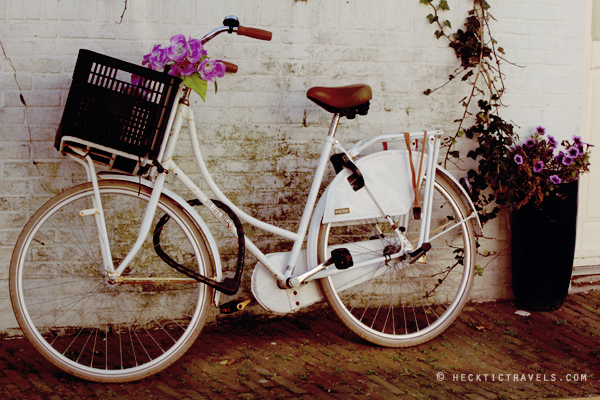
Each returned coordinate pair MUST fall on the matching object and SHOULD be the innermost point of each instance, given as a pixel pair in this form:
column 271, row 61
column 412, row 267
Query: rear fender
column 464, row 196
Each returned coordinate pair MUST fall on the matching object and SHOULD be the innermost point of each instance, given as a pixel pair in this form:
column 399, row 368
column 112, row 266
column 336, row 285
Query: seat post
column 334, row 124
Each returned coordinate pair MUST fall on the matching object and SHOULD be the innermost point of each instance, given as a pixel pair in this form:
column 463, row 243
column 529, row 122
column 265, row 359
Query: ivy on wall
column 480, row 60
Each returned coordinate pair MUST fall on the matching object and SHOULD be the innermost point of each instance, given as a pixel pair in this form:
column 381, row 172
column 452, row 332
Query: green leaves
column 196, row 83
column 479, row 270
column 435, row 18
column 480, row 57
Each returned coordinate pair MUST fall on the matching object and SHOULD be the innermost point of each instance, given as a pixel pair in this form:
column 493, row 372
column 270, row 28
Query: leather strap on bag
column 416, row 207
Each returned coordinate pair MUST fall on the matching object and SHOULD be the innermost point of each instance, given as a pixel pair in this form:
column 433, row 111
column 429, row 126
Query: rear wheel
column 84, row 322
column 394, row 303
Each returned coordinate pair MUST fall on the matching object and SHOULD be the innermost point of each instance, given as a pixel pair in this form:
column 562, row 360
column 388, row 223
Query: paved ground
column 489, row 353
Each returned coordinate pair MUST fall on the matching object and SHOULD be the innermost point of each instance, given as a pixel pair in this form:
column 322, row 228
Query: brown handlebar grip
column 254, row 33
column 230, row 67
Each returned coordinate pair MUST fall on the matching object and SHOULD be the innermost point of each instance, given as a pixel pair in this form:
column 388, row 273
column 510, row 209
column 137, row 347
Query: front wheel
column 88, row 324
column 394, row 303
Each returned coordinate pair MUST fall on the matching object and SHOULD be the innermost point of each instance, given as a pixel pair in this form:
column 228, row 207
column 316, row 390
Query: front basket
column 105, row 108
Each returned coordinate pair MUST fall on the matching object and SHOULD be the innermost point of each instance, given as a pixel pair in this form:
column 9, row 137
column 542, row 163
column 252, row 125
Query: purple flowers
column 527, row 172
column 555, row 179
column 210, row 69
column 518, row 159
column 184, row 58
column 183, row 68
column 567, row 160
column 156, row 59
column 178, row 49
column 196, row 50
column 573, row 152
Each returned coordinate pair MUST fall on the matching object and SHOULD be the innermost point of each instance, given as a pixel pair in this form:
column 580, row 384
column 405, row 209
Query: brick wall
column 260, row 120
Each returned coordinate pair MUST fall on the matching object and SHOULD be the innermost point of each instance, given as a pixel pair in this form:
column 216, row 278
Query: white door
column 587, row 256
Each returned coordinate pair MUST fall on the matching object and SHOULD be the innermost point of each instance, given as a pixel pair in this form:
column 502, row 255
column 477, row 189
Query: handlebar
column 231, row 24
column 230, row 67
column 254, row 33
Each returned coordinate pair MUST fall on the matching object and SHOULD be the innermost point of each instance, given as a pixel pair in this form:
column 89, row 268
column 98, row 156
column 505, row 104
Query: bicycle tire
column 81, row 322
column 397, row 304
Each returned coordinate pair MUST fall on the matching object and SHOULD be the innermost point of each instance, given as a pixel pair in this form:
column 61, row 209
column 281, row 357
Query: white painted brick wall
column 260, row 119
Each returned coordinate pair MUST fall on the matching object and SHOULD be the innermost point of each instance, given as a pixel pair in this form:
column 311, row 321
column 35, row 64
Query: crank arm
column 333, row 271
column 340, row 257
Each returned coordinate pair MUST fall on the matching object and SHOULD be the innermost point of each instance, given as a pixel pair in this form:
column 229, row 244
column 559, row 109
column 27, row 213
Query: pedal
column 419, row 255
column 341, row 258
column 233, row 306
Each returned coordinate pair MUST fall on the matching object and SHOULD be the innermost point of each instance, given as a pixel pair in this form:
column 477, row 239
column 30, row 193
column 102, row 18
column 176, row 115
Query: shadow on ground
column 488, row 353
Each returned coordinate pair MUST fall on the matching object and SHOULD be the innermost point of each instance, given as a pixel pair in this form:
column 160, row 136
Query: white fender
column 462, row 192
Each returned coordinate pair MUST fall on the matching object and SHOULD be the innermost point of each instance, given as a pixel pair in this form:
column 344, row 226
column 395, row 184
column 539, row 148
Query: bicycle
column 112, row 280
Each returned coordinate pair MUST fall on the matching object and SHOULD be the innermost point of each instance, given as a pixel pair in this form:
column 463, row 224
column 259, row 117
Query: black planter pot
column 543, row 249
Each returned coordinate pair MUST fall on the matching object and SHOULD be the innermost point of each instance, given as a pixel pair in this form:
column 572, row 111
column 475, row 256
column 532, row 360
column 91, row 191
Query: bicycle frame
column 183, row 113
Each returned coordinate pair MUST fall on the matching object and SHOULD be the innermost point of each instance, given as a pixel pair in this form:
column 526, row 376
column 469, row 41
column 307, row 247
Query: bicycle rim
column 83, row 323
column 394, row 303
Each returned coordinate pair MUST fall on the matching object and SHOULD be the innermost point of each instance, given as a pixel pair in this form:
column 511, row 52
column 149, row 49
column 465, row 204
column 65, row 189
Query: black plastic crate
column 105, row 108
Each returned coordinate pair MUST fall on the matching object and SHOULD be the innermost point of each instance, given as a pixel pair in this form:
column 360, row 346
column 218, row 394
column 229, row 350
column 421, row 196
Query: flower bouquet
column 538, row 181
column 185, row 59
column 531, row 171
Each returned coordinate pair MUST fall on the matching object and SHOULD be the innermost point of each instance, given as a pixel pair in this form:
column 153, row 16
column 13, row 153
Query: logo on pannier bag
column 339, row 211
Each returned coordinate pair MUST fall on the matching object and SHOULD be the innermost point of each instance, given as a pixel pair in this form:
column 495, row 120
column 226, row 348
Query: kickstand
column 233, row 306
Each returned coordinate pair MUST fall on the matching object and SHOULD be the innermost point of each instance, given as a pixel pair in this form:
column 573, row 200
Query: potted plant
column 538, row 181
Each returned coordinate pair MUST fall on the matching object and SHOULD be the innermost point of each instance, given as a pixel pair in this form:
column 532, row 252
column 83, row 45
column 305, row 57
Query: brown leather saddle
column 348, row 101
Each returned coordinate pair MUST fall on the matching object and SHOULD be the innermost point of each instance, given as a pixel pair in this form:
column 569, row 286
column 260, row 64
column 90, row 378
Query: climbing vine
column 480, row 67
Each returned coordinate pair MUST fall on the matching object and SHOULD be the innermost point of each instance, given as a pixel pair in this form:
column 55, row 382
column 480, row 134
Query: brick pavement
column 489, row 353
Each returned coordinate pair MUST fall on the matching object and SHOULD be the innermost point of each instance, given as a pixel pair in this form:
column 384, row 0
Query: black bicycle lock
column 229, row 286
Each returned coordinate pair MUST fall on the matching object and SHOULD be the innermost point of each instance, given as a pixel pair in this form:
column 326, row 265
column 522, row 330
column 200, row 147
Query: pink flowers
column 181, row 55
column 182, row 68
column 211, row 69
column 178, row 49
column 156, row 59
column 196, row 50
column 186, row 59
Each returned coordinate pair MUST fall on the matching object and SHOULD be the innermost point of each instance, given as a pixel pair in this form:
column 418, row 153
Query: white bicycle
column 112, row 280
